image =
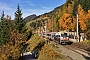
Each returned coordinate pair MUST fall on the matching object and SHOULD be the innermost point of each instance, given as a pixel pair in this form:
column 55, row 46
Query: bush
column 47, row 53
column 12, row 49
column 88, row 35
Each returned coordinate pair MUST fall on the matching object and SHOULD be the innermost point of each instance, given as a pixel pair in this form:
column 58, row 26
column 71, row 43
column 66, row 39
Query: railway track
column 79, row 48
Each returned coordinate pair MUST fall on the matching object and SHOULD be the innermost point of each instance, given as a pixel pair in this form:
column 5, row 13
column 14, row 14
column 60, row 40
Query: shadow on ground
column 27, row 57
column 68, row 43
column 87, row 58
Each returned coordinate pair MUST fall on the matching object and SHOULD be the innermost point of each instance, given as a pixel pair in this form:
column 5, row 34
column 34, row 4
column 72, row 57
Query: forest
column 64, row 18
column 13, row 36
column 15, row 33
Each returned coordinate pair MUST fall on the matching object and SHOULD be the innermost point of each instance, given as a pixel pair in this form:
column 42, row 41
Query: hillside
column 64, row 17
column 29, row 18
column 55, row 15
column 16, row 37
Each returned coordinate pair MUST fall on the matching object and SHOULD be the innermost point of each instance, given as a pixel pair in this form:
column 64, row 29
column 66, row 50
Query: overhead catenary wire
column 57, row 3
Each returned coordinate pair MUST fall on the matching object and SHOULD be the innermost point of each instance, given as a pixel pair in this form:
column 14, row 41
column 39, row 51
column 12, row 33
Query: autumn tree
column 53, row 24
column 50, row 25
column 67, row 22
column 12, row 49
column 83, row 18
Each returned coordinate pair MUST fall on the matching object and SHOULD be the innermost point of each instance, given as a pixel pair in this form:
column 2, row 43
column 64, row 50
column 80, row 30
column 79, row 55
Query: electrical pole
column 77, row 29
column 45, row 32
column 45, row 27
column 52, row 25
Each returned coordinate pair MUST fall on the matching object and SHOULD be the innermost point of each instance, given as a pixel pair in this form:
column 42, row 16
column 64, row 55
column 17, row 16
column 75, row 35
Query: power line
column 57, row 3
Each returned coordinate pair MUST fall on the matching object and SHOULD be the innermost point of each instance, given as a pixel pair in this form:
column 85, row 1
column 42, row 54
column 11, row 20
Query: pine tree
column 2, row 17
column 19, row 23
column 4, row 30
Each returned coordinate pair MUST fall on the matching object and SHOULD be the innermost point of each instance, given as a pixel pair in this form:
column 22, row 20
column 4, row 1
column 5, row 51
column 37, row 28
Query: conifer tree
column 4, row 30
column 2, row 17
column 19, row 23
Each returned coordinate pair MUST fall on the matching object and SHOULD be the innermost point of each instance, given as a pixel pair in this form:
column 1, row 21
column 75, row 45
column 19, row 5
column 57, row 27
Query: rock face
column 29, row 18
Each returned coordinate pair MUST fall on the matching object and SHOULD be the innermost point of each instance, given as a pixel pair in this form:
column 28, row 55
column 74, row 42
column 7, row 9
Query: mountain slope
column 29, row 18
column 64, row 16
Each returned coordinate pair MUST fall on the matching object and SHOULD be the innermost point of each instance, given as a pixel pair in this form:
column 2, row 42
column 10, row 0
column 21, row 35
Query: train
column 60, row 37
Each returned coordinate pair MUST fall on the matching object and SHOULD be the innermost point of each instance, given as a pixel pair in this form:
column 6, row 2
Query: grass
column 87, row 42
column 28, row 23
column 34, row 41
column 49, row 52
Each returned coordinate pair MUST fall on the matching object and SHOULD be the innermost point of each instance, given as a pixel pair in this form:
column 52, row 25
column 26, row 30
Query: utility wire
column 57, row 3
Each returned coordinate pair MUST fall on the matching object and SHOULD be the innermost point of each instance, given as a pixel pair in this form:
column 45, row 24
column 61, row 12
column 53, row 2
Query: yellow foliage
column 67, row 22
column 65, row 15
column 83, row 17
column 13, row 46
column 69, row 8
column 47, row 53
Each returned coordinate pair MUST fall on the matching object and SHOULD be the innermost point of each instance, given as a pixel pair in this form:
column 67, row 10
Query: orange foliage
column 69, row 8
column 48, row 54
column 83, row 17
column 67, row 22
column 13, row 46
column 88, row 14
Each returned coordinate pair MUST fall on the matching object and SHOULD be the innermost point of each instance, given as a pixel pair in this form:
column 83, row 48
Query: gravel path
column 69, row 53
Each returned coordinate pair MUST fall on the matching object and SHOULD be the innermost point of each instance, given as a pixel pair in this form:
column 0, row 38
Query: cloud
column 45, row 7
column 28, row 2
column 7, row 9
column 32, row 4
column 10, row 9
column 4, row 6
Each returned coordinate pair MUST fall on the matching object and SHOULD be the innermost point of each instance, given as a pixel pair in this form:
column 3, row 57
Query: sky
column 29, row 7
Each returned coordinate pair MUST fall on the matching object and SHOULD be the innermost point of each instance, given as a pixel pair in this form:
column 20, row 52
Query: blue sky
column 29, row 7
